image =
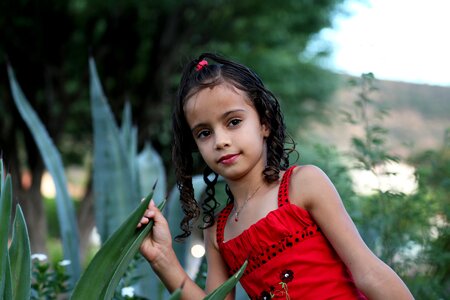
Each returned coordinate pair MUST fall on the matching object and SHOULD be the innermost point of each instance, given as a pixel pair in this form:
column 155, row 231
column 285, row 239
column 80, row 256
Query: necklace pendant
column 238, row 210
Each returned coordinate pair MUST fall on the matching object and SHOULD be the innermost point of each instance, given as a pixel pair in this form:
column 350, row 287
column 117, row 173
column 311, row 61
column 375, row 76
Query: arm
column 217, row 273
column 157, row 249
column 317, row 194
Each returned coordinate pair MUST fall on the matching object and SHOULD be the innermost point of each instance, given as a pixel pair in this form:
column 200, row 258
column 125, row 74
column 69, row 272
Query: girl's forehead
column 221, row 87
column 218, row 94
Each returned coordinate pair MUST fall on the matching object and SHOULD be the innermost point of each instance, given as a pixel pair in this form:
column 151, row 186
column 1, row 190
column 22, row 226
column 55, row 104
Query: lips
column 228, row 159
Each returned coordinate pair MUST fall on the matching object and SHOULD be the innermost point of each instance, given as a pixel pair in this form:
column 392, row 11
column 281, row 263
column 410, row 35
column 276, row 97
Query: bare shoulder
column 308, row 173
column 307, row 183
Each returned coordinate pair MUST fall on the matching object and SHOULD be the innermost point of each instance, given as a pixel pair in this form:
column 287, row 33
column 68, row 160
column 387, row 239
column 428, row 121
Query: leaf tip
column 154, row 185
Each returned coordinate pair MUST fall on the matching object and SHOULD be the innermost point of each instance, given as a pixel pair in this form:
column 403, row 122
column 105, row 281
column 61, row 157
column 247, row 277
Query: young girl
column 288, row 222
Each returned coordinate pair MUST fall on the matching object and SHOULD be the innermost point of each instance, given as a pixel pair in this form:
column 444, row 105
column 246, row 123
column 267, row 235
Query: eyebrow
column 224, row 115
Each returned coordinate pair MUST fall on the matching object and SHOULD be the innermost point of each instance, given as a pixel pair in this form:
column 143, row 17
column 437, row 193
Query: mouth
column 228, row 159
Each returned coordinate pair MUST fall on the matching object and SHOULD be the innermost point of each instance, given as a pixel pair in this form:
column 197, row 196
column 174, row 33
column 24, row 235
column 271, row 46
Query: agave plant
column 15, row 261
column 53, row 162
column 121, row 175
column 100, row 279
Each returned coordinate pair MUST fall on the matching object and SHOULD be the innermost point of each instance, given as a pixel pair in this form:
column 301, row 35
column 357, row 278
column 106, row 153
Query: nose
column 222, row 139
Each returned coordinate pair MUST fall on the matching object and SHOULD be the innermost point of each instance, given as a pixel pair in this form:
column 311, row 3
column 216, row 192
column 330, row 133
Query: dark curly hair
column 220, row 70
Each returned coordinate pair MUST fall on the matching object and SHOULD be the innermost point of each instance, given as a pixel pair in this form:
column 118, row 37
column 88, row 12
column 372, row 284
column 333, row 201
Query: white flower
column 128, row 291
column 39, row 256
column 64, row 263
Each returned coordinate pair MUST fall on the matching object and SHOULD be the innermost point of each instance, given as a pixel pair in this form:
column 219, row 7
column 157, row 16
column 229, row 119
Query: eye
column 203, row 133
column 234, row 122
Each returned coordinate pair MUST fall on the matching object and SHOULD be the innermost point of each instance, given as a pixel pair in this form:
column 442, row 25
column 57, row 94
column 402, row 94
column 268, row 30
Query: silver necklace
column 238, row 211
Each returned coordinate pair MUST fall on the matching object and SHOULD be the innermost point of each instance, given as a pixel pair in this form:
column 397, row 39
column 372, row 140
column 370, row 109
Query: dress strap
column 283, row 191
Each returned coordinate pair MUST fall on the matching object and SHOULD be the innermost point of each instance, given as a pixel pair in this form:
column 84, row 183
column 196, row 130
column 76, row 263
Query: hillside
column 418, row 116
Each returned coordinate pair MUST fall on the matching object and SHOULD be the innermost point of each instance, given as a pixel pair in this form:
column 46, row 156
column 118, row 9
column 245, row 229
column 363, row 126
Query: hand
column 158, row 243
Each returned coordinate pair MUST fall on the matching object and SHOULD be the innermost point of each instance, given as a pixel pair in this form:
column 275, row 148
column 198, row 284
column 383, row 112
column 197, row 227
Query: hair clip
column 201, row 64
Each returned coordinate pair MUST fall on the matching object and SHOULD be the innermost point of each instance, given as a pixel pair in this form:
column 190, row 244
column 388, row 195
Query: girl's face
column 227, row 130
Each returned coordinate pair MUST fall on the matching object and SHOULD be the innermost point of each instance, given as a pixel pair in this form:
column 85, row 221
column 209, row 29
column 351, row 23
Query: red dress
column 288, row 256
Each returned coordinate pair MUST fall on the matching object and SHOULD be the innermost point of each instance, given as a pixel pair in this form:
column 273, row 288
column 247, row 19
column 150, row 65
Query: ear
column 265, row 130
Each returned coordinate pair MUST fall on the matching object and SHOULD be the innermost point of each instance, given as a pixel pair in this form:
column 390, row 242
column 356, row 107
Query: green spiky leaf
column 109, row 264
column 20, row 258
column 222, row 291
column 5, row 216
column 53, row 162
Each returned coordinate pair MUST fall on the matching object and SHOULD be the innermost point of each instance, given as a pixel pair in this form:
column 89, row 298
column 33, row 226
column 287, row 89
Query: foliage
column 120, row 173
column 19, row 257
column 104, row 272
column 115, row 175
column 433, row 173
column 126, row 287
column 50, row 281
column 53, row 162
column 5, row 213
column 15, row 266
column 409, row 232
column 381, row 213
column 227, row 286
column 370, row 151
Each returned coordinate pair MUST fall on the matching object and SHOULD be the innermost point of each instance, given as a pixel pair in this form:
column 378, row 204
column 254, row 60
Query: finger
column 144, row 220
column 148, row 214
column 155, row 213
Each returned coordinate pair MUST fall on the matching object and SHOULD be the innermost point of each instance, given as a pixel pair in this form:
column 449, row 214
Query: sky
column 400, row 40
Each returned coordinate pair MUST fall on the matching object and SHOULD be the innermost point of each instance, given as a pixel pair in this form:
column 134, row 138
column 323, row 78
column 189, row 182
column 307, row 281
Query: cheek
column 202, row 149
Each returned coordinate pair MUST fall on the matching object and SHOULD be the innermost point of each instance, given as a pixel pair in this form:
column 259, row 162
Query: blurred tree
column 433, row 174
column 409, row 232
column 140, row 47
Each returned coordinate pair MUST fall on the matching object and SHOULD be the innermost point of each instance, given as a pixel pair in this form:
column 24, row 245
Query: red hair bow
column 201, row 64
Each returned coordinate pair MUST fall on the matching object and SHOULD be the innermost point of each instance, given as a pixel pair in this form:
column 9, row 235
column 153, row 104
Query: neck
column 244, row 186
column 244, row 190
